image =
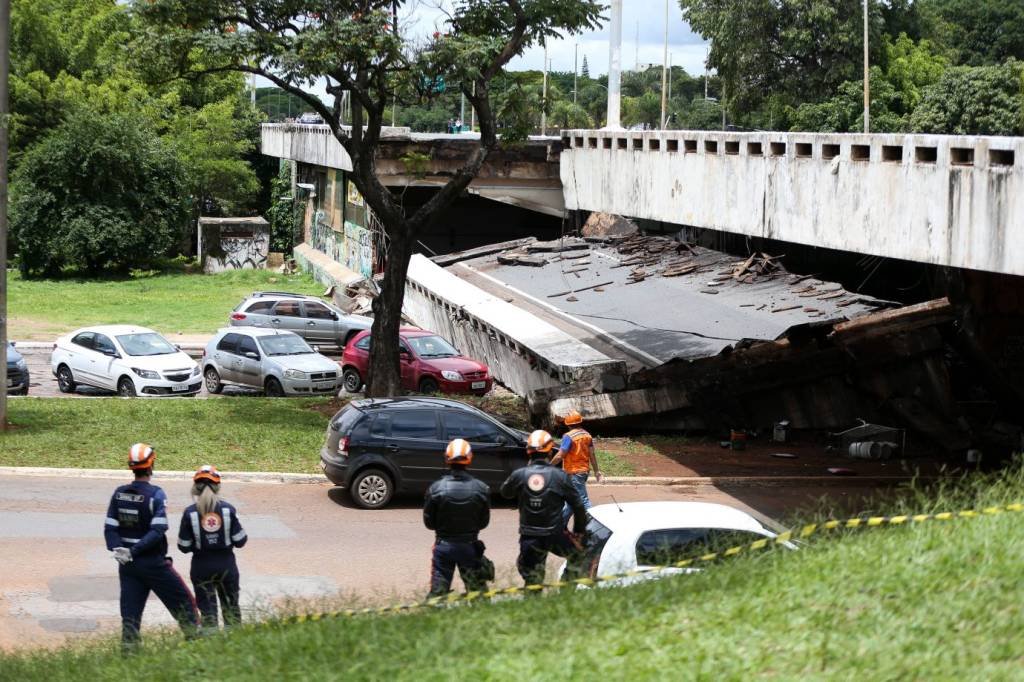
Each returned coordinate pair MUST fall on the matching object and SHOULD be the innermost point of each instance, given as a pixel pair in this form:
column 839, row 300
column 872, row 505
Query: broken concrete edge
column 286, row 477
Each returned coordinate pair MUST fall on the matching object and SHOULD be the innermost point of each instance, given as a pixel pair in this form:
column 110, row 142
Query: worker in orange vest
column 577, row 457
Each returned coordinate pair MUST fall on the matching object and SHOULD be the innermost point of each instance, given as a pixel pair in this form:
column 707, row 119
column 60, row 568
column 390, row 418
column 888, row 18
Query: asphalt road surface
column 307, row 545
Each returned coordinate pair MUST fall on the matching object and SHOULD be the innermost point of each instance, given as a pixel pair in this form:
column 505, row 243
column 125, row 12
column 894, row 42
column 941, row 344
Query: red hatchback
column 429, row 364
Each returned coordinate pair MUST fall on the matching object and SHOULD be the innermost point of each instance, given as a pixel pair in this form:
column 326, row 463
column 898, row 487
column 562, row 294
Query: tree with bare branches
column 357, row 47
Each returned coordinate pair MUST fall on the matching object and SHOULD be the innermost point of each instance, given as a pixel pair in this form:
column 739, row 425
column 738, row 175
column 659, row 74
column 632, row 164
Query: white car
column 637, row 535
column 127, row 359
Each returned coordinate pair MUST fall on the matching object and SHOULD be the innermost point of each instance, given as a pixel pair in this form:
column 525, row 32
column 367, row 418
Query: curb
column 284, row 477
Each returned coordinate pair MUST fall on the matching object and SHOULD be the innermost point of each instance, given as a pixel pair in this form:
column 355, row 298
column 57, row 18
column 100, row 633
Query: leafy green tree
column 799, row 50
column 979, row 100
column 278, row 105
column 101, row 192
column 978, row 32
column 643, row 110
column 356, row 46
column 282, row 214
column 565, row 114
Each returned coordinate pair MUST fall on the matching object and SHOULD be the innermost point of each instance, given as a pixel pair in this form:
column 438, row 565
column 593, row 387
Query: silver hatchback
column 277, row 362
column 313, row 319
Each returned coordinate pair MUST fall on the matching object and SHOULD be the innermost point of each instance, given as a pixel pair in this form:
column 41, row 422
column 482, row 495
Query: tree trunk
column 384, row 378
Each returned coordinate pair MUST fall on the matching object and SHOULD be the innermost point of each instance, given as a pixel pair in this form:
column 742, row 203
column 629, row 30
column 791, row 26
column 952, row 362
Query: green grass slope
column 939, row 600
column 170, row 303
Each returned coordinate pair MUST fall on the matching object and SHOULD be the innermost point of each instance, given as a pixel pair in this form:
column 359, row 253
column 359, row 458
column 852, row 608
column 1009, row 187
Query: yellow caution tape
column 780, row 539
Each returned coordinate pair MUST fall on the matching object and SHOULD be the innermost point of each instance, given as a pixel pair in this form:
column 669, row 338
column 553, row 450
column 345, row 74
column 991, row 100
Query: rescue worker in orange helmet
column 210, row 529
column 577, row 457
column 457, row 507
column 135, row 531
column 542, row 491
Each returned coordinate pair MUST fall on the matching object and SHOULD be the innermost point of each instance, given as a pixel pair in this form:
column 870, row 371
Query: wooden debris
column 576, row 291
column 762, row 306
column 801, row 291
column 811, row 310
column 742, row 269
column 598, row 288
column 572, row 299
column 834, row 294
column 746, row 305
column 514, row 258
column 809, row 294
column 845, row 302
column 708, row 291
column 784, row 309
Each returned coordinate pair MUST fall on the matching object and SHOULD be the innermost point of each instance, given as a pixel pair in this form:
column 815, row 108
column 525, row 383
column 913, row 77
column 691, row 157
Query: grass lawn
column 238, row 434
column 938, row 600
column 170, row 303
column 246, row 433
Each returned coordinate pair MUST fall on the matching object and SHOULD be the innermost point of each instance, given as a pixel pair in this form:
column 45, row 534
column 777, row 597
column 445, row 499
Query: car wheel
column 351, row 380
column 213, row 384
column 273, row 388
column 429, row 385
column 65, row 379
column 23, row 391
column 126, row 388
column 372, row 489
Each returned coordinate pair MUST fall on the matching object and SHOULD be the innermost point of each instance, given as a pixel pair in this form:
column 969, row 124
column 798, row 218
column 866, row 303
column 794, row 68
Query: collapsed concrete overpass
column 944, row 200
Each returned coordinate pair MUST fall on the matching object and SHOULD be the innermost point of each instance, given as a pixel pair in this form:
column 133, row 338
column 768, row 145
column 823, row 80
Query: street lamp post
column 867, row 75
column 664, row 70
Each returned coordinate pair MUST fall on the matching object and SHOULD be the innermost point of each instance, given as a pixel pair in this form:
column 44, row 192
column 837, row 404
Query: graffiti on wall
column 324, row 238
column 235, row 247
column 359, row 249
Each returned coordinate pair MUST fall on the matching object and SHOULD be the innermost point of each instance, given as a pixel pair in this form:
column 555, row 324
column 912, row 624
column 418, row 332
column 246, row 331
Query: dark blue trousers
column 448, row 555
column 221, row 582
column 156, row 574
column 533, row 554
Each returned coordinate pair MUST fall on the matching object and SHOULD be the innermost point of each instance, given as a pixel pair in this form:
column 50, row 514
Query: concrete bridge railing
column 946, row 200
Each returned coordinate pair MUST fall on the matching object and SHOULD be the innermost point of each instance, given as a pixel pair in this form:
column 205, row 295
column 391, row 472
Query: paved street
column 307, row 543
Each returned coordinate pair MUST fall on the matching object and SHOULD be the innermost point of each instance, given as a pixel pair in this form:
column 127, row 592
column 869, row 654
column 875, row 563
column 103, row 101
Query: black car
column 378, row 447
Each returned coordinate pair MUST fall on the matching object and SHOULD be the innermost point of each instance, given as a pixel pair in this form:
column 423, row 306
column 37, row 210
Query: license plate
column 478, row 384
column 178, row 388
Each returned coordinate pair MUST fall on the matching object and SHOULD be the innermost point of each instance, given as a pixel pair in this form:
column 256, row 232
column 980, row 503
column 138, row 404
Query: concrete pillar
column 615, row 67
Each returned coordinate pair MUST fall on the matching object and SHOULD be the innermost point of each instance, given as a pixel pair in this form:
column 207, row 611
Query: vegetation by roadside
column 245, row 433
column 933, row 600
column 41, row 309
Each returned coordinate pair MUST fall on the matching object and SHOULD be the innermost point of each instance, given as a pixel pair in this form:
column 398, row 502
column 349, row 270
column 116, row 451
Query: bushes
column 101, row 192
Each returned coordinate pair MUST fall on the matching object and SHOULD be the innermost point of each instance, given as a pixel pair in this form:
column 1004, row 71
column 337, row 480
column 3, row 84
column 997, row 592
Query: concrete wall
column 522, row 351
column 946, row 200
column 313, row 144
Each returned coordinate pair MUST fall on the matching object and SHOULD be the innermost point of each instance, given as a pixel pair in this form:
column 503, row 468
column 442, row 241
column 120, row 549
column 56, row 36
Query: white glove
column 123, row 555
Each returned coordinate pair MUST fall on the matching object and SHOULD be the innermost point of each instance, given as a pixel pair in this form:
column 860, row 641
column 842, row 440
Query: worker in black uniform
column 542, row 491
column 135, row 531
column 457, row 507
column 210, row 529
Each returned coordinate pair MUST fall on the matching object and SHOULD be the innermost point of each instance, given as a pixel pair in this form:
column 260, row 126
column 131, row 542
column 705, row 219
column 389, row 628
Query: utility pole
column 544, row 96
column 5, row 63
column 669, row 79
column 707, row 58
column 462, row 111
column 575, row 71
column 472, row 112
column 636, row 46
column 664, row 71
column 615, row 68
column 867, row 76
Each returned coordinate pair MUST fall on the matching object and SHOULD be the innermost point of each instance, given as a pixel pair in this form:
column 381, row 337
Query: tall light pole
column 615, row 68
column 867, row 75
column 5, row 62
column 575, row 70
column 544, row 96
column 664, row 71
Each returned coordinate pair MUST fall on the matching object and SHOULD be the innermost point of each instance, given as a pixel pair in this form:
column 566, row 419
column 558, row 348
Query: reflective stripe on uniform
column 112, row 522
column 240, row 535
column 194, row 518
column 158, row 521
column 130, row 541
column 227, row 525
column 182, row 542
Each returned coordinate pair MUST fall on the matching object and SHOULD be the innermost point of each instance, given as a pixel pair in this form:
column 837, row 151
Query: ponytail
column 206, row 497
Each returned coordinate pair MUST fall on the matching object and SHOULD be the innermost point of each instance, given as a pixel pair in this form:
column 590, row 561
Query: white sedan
column 127, row 359
column 638, row 535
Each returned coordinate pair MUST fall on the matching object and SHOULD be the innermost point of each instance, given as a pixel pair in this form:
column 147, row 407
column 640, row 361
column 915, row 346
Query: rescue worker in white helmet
column 457, row 507
column 542, row 491
column 135, row 532
column 210, row 529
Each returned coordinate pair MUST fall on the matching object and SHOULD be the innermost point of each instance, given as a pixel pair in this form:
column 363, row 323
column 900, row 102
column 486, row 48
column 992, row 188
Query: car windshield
column 432, row 347
column 148, row 343
column 284, row 344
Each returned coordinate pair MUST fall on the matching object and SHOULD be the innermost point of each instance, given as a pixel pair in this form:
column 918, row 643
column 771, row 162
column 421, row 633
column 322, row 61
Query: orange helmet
column 574, row 418
column 141, row 456
column 458, row 452
column 540, row 441
column 207, row 472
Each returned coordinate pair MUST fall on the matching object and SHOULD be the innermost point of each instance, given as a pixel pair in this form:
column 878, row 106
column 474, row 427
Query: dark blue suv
column 17, row 372
column 377, row 447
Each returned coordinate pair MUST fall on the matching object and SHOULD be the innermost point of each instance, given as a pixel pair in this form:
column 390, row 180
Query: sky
column 643, row 35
